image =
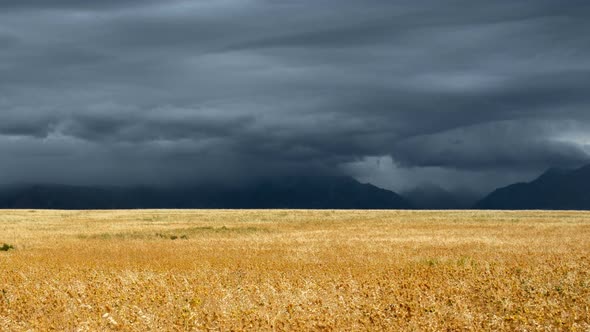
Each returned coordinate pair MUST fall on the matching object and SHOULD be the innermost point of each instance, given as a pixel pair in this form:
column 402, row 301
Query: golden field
column 218, row 270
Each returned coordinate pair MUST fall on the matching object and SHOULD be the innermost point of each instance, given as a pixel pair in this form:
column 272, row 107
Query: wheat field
column 226, row 270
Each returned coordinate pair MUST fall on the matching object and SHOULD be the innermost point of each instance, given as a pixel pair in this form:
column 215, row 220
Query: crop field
column 225, row 270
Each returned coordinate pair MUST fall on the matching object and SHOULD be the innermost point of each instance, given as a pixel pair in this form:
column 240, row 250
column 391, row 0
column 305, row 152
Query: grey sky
column 459, row 93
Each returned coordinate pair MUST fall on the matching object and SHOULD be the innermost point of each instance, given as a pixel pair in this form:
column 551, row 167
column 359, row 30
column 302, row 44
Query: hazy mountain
column 431, row 196
column 285, row 192
column 556, row 189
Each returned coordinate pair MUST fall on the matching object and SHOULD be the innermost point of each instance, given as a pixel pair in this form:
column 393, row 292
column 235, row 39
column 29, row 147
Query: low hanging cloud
column 163, row 92
column 496, row 145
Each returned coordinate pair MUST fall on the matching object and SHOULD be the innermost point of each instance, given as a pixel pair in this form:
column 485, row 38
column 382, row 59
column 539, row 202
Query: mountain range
column 329, row 192
column 556, row 189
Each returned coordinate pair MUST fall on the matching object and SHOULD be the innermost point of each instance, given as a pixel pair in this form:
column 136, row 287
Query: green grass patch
column 174, row 234
column 185, row 233
column 222, row 230
column 115, row 236
column 6, row 247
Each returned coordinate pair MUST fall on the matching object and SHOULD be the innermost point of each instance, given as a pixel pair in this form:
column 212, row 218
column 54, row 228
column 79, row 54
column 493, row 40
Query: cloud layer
column 134, row 91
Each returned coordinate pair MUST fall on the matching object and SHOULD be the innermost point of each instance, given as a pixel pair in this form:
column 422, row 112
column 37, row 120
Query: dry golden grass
column 294, row 270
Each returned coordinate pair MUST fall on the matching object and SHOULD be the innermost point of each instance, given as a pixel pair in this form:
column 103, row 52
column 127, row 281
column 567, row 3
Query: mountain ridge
column 271, row 193
column 555, row 189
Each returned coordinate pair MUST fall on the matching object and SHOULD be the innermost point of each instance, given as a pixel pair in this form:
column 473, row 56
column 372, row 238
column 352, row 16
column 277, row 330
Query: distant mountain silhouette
column 433, row 197
column 285, row 192
column 556, row 189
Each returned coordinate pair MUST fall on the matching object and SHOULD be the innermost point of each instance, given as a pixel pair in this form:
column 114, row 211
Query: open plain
column 223, row 270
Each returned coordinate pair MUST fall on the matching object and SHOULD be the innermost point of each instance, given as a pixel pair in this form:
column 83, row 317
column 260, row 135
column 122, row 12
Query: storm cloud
column 394, row 92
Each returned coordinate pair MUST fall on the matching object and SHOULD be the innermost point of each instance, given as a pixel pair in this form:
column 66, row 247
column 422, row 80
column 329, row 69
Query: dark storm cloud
column 151, row 91
column 509, row 144
column 67, row 4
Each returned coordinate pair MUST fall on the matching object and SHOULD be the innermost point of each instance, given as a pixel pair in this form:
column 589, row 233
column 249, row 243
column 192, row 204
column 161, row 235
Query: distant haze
column 454, row 94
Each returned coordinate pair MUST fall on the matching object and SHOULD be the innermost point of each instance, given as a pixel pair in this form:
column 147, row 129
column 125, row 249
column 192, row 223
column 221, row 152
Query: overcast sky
column 456, row 93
